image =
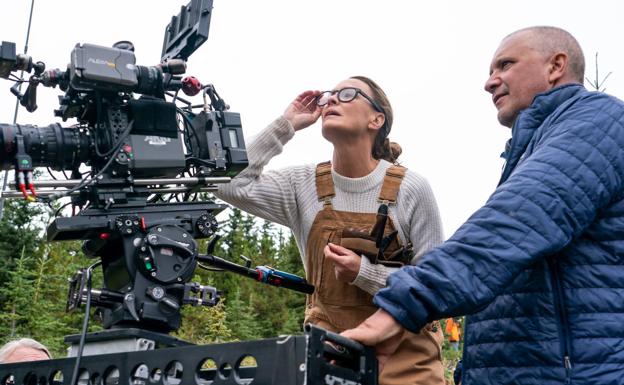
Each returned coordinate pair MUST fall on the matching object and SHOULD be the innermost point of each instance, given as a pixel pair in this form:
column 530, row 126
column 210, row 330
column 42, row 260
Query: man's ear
column 377, row 121
column 558, row 67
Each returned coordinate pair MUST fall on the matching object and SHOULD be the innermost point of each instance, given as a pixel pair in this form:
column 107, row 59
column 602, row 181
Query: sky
column 431, row 57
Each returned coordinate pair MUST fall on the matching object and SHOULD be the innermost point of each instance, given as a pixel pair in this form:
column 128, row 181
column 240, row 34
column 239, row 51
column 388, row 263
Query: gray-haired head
column 551, row 40
column 8, row 351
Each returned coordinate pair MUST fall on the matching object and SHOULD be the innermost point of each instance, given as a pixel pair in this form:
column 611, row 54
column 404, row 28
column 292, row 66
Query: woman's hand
column 346, row 262
column 303, row 111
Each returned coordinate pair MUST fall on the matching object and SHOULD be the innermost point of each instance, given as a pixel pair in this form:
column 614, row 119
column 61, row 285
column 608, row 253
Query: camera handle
column 264, row 274
column 29, row 98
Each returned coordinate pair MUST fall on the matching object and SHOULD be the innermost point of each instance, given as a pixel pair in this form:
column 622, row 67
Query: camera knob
column 206, row 224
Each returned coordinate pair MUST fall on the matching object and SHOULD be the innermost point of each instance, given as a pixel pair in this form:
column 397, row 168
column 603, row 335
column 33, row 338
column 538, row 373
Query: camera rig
column 138, row 167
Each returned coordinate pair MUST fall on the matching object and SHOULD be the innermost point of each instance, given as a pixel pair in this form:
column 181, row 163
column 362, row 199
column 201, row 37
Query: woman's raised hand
column 303, row 111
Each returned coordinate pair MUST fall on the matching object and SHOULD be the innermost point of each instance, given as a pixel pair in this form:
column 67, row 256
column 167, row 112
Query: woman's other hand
column 303, row 111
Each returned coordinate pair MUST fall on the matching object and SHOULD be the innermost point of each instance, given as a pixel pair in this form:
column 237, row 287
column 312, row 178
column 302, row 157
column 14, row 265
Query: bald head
column 528, row 62
column 549, row 41
column 22, row 350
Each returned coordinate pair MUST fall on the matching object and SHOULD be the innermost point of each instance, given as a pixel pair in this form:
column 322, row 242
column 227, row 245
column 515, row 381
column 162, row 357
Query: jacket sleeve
column 551, row 198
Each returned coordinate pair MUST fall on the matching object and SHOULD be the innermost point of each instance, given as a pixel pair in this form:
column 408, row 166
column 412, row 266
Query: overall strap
column 391, row 184
column 324, row 183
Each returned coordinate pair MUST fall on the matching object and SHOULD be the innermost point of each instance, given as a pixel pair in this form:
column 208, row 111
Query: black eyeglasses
column 346, row 95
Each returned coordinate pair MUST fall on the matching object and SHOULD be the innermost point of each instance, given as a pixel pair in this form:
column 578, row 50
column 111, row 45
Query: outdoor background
column 431, row 57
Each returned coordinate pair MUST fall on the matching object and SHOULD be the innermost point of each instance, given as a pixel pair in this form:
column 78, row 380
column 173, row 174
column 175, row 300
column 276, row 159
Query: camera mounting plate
column 187, row 31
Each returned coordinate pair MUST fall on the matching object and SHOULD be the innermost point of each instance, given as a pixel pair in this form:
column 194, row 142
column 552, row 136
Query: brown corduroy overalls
column 337, row 305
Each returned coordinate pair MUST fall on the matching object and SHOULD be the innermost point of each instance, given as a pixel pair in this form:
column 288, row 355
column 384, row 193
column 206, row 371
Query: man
column 452, row 330
column 23, row 350
column 540, row 267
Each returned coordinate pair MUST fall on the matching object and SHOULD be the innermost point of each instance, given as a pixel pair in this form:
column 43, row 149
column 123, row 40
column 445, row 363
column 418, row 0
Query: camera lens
column 49, row 146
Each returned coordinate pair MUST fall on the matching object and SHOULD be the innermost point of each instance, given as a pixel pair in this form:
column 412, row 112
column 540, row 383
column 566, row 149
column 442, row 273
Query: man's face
column 517, row 73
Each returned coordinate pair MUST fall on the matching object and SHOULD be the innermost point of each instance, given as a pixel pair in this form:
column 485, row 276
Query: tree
column 20, row 233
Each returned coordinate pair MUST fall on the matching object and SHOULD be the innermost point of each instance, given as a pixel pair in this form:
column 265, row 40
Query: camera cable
column 85, row 324
column 86, row 180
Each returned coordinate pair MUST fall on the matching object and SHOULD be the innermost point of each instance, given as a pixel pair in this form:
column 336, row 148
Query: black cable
column 178, row 98
column 85, row 325
column 50, row 173
column 109, row 139
column 188, row 123
column 58, row 211
column 65, row 193
column 86, row 181
column 203, row 162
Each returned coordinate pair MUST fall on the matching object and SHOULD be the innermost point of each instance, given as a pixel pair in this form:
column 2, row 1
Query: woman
column 337, row 213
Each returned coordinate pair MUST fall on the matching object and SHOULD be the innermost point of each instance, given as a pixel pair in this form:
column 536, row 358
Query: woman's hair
column 382, row 147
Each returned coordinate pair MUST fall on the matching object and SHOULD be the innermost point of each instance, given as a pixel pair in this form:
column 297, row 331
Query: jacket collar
column 529, row 119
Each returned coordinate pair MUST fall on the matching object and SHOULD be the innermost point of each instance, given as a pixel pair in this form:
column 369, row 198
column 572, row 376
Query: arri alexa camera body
column 138, row 165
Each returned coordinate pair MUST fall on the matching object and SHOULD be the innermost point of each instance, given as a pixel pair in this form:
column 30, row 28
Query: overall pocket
column 331, row 291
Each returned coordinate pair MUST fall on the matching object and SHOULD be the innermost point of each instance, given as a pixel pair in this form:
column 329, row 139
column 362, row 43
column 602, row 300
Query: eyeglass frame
column 357, row 91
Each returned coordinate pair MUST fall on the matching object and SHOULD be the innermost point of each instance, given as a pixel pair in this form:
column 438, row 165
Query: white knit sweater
column 288, row 197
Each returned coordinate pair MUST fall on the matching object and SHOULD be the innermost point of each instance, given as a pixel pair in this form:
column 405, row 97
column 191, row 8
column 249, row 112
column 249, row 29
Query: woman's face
column 344, row 120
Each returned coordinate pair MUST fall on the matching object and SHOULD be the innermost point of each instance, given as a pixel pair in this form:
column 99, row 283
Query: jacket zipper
column 564, row 330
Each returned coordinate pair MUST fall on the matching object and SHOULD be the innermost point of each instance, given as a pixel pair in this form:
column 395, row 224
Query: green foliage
column 19, row 234
column 34, row 283
column 241, row 318
column 254, row 310
column 203, row 325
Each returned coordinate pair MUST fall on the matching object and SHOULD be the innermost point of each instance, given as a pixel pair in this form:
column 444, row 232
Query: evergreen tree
column 17, row 294
column 20, row 233
column 241, row 318
column 202, row 324
column 290, row 261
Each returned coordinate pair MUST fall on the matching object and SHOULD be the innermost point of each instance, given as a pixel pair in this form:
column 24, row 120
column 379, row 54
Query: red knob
column 191, row 86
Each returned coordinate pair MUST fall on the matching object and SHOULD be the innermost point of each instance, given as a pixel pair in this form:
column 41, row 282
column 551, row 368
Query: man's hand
column 303, row 111
column 346, row 262
column 381, row 331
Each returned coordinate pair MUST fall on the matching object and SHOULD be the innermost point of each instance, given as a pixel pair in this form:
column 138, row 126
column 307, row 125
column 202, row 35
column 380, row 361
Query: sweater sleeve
column 372, row 277
column 418, row 213
column 425, row 225
column 269, row 195
column 549, row 200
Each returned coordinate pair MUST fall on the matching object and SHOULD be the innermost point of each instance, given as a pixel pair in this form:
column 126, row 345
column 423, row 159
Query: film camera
column 137, row 166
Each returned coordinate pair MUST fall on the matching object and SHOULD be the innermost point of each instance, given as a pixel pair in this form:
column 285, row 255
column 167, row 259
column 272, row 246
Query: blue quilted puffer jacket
column 539, row 268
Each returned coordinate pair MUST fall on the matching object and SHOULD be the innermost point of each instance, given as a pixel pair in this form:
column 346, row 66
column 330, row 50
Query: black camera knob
column 207, row 224
column 127, row 224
